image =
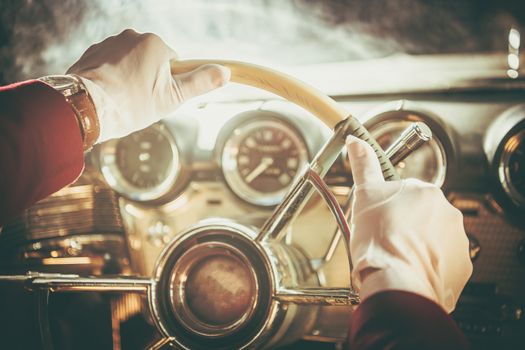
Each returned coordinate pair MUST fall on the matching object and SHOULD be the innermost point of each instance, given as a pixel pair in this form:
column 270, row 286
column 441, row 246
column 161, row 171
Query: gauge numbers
column 261, row 159
column 142, row 166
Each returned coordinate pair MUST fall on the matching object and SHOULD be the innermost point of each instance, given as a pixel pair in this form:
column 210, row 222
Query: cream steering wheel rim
column 320, row 105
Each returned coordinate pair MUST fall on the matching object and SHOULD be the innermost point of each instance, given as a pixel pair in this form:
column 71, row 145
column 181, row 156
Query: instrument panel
column 257, row 154
column 237, row 161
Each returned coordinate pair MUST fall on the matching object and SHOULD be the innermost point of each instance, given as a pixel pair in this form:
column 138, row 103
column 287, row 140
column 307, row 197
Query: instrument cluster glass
column 143, row 166
column 261, row 159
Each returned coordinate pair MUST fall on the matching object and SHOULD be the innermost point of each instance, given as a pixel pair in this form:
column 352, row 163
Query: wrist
column 113, row 123
column 396, row 278
column 76, row 94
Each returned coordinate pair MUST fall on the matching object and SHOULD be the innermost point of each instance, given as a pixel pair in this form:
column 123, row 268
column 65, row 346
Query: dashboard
column 235, row 158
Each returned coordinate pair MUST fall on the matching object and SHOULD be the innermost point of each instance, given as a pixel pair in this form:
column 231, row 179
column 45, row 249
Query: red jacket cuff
column 40, row 145
column 403, row 320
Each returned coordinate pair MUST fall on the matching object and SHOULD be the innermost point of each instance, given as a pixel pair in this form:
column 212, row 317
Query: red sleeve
column 40, row 145
column 401, row 320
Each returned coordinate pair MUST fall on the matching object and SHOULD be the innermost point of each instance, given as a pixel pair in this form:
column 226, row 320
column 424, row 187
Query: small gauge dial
column 512, row 167
column 142, row 166
column 428, row 163
column 261, row 159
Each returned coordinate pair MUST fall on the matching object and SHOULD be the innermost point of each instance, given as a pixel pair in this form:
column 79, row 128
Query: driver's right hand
column 405, row 234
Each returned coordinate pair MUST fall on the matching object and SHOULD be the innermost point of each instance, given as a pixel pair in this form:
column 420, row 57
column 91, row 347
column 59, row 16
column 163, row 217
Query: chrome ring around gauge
column 429, row 163
column 262, row 158
column 143, row 166
column 511, row 167
column 504, row 145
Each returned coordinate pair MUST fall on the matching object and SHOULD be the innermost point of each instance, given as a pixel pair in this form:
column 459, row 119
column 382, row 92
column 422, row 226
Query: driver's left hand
column 128, row 77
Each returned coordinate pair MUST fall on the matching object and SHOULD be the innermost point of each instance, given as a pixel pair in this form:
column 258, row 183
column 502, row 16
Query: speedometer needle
column 259, row 169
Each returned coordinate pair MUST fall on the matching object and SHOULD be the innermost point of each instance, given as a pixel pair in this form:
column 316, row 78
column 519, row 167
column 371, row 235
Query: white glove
column 128, row 77
column 405, row 234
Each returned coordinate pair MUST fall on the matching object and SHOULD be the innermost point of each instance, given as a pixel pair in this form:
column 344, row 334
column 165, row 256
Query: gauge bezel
column 506, row 126
column 403, row 112
column 228, row 160
column 507, row 149
column 116, row 180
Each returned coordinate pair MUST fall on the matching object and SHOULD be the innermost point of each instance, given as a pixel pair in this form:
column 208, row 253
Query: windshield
column 43, row 37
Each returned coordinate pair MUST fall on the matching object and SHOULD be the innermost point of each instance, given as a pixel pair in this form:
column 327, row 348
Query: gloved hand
column 405, row 234
column 128, row 77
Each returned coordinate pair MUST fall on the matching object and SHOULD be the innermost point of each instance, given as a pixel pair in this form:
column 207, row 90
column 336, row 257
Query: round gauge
column 428, row 163
column 511, row 167
column 142, row 166
column 261, row 159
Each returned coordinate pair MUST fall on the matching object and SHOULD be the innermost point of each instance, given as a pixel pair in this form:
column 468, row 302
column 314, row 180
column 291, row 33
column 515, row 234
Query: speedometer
column 143, row 166
column 261, row 159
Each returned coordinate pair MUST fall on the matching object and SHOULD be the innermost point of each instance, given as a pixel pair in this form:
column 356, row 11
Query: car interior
column 225, row 225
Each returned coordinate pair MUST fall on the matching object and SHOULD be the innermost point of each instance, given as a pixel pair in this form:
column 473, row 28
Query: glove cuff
column 398, row 278
column 112, row 123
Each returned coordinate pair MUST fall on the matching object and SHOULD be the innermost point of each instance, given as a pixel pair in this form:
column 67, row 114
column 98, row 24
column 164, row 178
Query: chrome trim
column 413, row 137
column 337, row 212
column 505, row 179
column 318, row 296
column 503, row 136
column 92, row 284
column 441, row 131
column 160, row 343
column 207, row 229
column 74, row 210
column 56, row 282
column 435, row 145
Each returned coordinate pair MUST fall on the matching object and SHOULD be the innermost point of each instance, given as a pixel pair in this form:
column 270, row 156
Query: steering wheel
column 269, row 292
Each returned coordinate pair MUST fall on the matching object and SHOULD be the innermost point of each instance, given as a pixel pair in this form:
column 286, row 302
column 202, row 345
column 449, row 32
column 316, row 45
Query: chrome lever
column 55, row 282
column 413, row 137
column 318, row 296
column 286, row 212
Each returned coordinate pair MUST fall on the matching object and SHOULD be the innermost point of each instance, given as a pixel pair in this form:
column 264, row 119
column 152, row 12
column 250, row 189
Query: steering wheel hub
column 213, row 289
column 216, row 286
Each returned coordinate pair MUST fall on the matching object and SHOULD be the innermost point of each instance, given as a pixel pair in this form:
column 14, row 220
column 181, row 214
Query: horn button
column 216, row 290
